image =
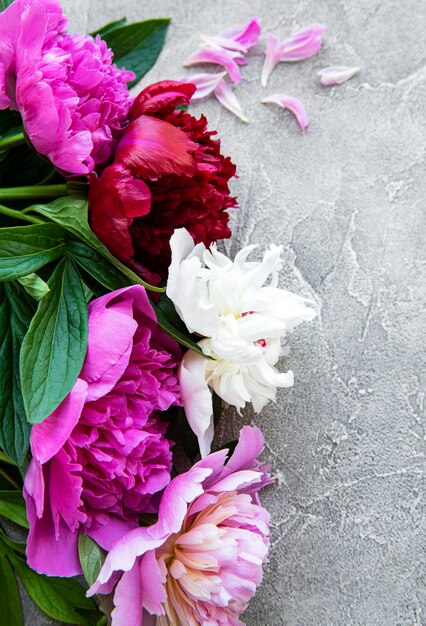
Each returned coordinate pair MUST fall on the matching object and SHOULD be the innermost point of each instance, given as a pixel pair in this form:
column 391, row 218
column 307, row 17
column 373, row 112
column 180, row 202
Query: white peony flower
column 243, row 321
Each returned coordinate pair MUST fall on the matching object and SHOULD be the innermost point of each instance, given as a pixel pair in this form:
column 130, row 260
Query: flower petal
column 48, row 437
column 152, row 147
column 182, row 285
column 205, row 83
column 247, row 35
column 292, row 104
column 303, row 44
column 273, row 52
column 161, row 98
column 337, row 74
column 197, row 399
column 227, row 98
column 219, row 56
column 128, row 599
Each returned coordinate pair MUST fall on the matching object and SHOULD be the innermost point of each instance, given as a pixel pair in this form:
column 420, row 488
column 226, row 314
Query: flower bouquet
column 124, row 328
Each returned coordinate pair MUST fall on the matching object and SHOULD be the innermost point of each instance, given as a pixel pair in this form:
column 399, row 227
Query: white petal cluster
column 243, row 315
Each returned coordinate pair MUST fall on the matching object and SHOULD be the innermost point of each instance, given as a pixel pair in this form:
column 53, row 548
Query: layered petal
column 152, row 147
column 292, row 104
column 161, row 99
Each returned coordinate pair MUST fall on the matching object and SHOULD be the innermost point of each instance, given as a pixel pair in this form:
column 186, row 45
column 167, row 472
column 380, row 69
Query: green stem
column 33, row 192
column 19, row 215
column 5, row 459
column 10, row 142
column 9, row 479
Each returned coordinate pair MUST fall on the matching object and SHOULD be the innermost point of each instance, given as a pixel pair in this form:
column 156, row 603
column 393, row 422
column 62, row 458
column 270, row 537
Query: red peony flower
column 167, row 173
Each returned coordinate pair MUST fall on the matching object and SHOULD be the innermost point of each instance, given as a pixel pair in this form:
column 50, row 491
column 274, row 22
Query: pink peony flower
column 101, row 457
column 202, row 561
column 73, row 100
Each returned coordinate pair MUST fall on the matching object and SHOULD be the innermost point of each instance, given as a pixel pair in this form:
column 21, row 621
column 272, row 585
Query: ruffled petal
column 292, row 104
column 152, row 147
column 161, row 98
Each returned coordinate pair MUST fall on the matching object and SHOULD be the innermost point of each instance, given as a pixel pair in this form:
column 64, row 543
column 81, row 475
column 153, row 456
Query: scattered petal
column 292, row 104
column 226, row 96
column 303, row 44
column 247, row 35
column 226, row 58
column 273, row 52
column 205, row 83
column 337, row 74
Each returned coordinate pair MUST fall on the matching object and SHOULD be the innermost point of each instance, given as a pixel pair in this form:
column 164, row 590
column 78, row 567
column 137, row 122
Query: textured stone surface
column 347, row 202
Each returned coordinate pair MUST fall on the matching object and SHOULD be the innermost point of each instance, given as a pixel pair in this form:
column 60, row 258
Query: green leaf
column 25, row 249
column 108, row 27
column 91, row 557
column 5, row 3
column 137, row 46
column 18, row 546
column 177, row 334
column 55, row 345
column 12, row 506
column 96, row 265
column 10, row 602
column 34, row 286
column 16, row 312
column 59, row 598
column 72, row 215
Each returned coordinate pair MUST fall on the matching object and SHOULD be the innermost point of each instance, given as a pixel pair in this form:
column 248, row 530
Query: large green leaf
column 16, row 312
column 137, row 46
column 72, row 214
column 110, row 26
column 24, row 249
column 12, row 506
column 5, row 3
column 10, row 602
column 97, row 265
column 57, row 597
column 54, row 348
column 91, row 557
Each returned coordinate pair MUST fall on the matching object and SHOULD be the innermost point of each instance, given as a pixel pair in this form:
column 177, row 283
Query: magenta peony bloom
column 101, row 457
column 202, row 561
column 73, row 100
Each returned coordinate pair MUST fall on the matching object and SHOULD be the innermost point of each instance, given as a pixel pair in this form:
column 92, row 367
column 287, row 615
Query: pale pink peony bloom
column 292, row 104
column 300, row 46
column 73, row 100
column 202, row 561
column 337, row 74
column 101, row 458
column 228, row 99
column 204, row 82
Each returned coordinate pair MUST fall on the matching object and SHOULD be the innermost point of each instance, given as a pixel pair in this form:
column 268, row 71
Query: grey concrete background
column 347, row 202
